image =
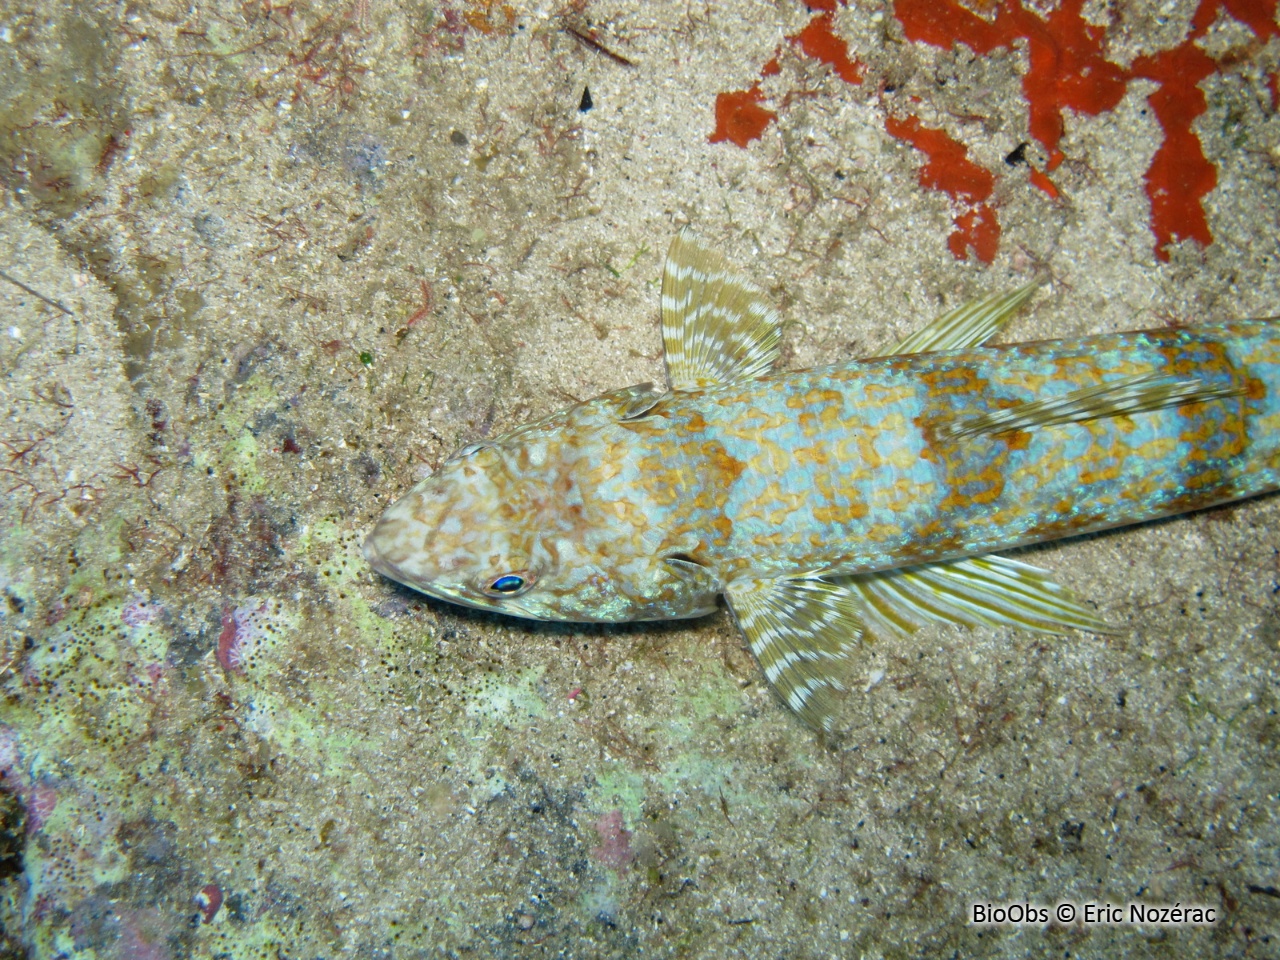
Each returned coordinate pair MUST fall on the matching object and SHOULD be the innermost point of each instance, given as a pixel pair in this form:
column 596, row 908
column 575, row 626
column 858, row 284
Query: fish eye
column 508, row 585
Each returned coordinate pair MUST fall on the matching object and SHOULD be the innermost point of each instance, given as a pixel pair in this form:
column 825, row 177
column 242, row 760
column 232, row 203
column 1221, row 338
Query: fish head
column 506, row 526
column 462, row 534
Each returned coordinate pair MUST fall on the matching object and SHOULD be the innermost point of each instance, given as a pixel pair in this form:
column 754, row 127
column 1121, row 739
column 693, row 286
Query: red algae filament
column 818, row 41
column 1179, row 175
column 740, row 118
column 1041, row 181
column 1068, row 68
column 979, row 231
column 950, row 170
column 208, row 901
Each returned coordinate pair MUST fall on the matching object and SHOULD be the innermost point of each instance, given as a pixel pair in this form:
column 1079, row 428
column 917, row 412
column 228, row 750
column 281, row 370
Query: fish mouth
column 386, row 550
column 377, row 545
column 371, row 555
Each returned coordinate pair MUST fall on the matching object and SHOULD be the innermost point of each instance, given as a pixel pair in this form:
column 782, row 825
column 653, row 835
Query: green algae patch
column 254, row 638
column 82, row 741
column 104, row 541
column 600, row 902
column 241, row 456
column 714, row 697
column 697, row 772
column 266, row 938
column 100, row 676
column 323, row 530
column 618, row 788
column 335, row 551
column 705, row 701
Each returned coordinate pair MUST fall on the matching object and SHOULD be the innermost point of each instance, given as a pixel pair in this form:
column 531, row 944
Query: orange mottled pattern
column 851, row 468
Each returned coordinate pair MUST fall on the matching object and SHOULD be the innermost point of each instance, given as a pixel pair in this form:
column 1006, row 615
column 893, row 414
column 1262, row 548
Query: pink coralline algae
column 8, row 752
column 244, row 629
column 144, row 934
column 41, row 800
column 139, row 611
column 615, row 850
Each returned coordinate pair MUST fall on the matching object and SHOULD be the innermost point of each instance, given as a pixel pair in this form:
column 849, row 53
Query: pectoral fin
column 969, row 325
column 801, row 633
column 994, row 591
column 1123, row 397
column 716, row 326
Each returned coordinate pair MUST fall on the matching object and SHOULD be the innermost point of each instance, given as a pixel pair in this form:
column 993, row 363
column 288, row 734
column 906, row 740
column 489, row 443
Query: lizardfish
column 831, row 505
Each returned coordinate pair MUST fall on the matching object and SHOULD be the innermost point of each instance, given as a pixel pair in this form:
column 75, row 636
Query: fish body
column 852, row 469
column 829, row 504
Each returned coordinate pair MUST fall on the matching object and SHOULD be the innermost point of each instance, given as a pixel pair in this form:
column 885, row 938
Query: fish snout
column 390, row 547
column 373, row 553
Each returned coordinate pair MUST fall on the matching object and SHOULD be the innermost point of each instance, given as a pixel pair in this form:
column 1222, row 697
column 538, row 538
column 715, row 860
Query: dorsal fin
column 717, row 327
column 1118, row 398
column 969, row 325
column 989, row 590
